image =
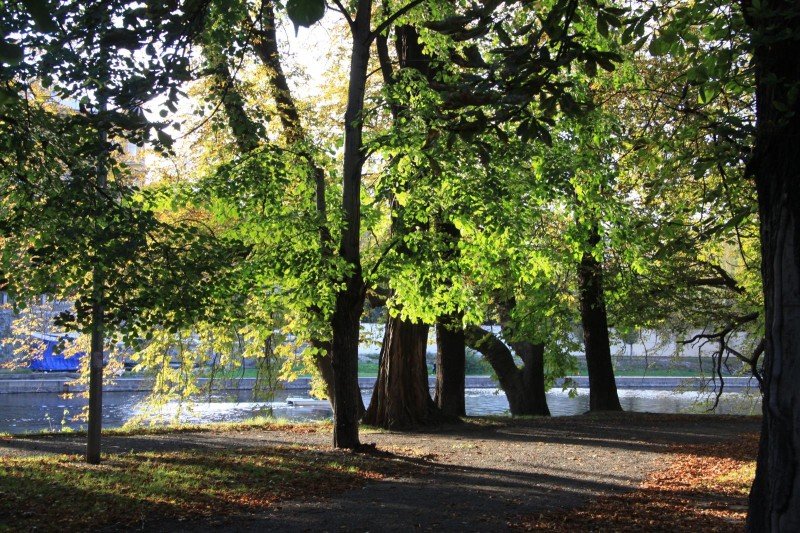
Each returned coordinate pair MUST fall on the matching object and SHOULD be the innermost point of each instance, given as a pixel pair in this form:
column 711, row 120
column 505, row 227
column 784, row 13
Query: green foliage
column 305, row 12
column 531, row 128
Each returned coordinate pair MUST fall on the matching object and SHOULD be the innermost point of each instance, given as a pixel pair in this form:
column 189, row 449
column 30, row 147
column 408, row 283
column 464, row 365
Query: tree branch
column 383, row 26
column 343, row 11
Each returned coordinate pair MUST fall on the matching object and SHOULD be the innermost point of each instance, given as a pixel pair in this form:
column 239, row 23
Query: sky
column 306, row 56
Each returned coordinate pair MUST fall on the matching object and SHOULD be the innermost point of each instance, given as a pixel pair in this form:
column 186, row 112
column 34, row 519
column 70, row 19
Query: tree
column 226, row 33
column 352, row 288
column 89, row 232
column 400, row 398
column 457, row 48
column 594, row 320
column 775, row 167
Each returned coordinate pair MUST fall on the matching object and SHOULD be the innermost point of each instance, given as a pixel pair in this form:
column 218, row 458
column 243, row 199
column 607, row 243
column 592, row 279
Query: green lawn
column 134, row 489
column 655, row 372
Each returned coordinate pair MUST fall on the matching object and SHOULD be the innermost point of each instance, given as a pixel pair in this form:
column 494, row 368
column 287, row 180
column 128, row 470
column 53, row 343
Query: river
column 24, row 413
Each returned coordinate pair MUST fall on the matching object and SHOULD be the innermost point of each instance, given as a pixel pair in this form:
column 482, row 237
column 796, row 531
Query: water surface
column 22, row 413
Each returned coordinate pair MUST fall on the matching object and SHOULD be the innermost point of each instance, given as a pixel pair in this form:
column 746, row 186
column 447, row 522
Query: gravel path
column 473, row 477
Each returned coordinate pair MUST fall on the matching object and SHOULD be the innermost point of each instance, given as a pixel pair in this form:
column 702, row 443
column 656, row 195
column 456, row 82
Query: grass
column 136, row 489
column 255, row 423
column 738, row 480
column 654, row 372
column 250, row 424
column 702, row 487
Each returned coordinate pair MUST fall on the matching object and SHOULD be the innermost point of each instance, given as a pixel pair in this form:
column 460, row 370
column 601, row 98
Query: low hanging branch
column 724, row 349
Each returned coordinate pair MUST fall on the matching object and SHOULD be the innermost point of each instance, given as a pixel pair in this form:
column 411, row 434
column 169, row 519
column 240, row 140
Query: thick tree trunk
column 602, row 385
column 775, row 165
column 350, row 300
column 450, row 343
column 521, row 399
column 532, row 356
column 401, row 399
column 450, row 366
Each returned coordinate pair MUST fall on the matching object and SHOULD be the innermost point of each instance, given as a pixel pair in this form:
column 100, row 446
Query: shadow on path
column 475, row 476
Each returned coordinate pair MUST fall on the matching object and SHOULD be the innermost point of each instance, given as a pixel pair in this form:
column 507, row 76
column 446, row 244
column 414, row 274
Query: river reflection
column 22, row 413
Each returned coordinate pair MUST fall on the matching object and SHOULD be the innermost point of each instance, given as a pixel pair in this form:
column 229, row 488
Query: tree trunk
column 775, row 165
column 265, row 45
column 350, row 300
column 521, row 399
column 602, row 385
column 246, row 133
column 344, row 361
column 322, row 362
column 95, row 421
column 450, row 366
column 532, row 356
column 401, row 399
column 450, row 343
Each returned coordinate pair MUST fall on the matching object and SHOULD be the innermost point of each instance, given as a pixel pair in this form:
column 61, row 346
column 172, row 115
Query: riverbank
column 489, row 474
column 65, row 383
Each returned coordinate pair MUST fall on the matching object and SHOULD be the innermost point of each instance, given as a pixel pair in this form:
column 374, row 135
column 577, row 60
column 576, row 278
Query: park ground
column 602, row 472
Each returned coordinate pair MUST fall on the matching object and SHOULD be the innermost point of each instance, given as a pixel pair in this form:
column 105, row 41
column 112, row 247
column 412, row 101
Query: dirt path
column 473, row 477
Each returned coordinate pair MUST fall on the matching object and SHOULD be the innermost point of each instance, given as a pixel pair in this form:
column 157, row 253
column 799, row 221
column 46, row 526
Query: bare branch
column 735, row 323
column 341, row 9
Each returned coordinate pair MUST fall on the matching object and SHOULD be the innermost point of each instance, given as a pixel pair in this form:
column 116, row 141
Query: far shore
column 66, row 383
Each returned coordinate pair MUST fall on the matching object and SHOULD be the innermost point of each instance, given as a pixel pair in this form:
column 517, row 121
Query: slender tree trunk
column 775, row 165
column 401, row 399
column 350, row 300
column 450, row 366
column 344, row 361
column 95, row 422
column 602, row 385
column 521, row 400
column 265, row 45
column 246, row 133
